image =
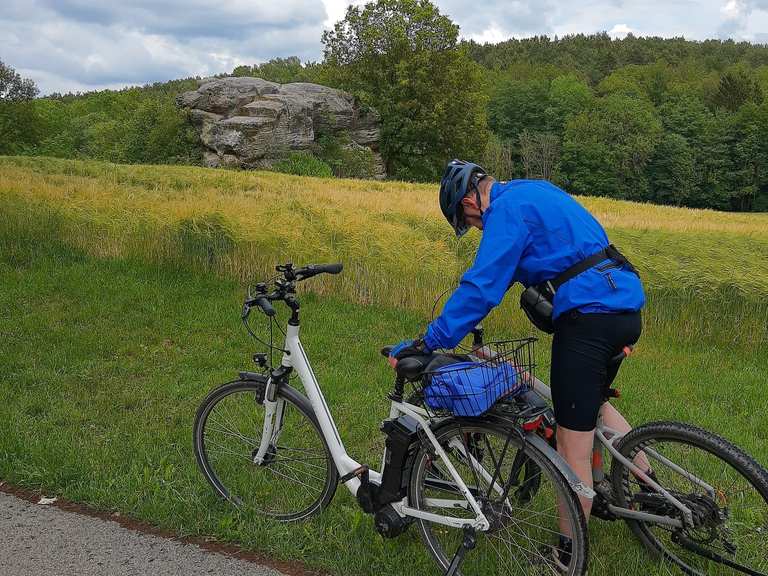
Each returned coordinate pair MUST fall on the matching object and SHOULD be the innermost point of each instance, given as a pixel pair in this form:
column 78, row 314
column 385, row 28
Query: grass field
column 119, row 309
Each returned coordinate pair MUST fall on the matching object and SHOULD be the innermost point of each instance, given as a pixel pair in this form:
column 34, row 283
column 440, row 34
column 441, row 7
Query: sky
column 83, row 45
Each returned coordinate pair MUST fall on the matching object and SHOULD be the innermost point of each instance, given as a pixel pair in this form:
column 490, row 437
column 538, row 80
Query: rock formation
column 252, row 123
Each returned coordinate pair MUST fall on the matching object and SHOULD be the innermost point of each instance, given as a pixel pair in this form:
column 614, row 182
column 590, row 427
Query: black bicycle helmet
column 453, row 188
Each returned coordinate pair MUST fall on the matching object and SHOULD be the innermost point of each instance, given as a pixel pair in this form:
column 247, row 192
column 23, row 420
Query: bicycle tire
column 262, row 488
column 442, row 541
column 748, row 512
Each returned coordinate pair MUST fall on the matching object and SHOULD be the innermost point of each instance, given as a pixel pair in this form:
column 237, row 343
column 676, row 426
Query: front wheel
column 518, row 489
column 297, row 476
column 726, row 490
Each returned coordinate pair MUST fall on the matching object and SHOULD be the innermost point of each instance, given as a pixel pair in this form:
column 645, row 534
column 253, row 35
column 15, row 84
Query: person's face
column 472, row 211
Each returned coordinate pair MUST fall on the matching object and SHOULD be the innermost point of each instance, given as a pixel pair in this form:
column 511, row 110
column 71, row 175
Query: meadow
column 119, row 309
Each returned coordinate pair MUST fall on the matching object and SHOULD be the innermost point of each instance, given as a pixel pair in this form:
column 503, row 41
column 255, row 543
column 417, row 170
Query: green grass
column 120, row 293
column 105, row 361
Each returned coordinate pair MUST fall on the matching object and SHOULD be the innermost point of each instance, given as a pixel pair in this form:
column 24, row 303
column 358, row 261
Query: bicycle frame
column 296, row 358
column 606, row 438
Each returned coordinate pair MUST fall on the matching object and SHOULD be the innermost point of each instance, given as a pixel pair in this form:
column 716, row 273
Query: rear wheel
column 730, row 519
column 524, row 524
column 297, row 477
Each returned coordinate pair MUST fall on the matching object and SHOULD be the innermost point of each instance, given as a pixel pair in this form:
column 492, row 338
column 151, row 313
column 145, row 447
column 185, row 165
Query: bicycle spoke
column 523, row 530
column 295, row 475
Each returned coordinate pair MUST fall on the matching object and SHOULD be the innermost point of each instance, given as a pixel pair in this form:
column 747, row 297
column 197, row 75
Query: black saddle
column 414, row 367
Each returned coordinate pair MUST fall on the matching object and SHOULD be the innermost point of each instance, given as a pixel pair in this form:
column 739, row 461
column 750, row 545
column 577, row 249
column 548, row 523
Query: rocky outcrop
column 251, row 123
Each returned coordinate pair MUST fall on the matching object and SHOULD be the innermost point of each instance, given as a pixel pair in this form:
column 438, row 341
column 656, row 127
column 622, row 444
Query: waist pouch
column 537, row 301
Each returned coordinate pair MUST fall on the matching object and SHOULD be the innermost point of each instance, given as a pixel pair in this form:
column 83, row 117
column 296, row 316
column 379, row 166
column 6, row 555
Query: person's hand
column 405, row 348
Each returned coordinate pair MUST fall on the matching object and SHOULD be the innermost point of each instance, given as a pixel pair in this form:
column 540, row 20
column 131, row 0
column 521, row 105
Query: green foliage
column 303, row 164
column 135, row 125
column 14, row 88
column 517, row 106
column 401, row 57
column 652, row 119
column 736, row 88
column 568, row 95
column 595, row 56
column 672, row 170
column 18, row 118
column 346, row 159
column 282, row 70
column 605, row 150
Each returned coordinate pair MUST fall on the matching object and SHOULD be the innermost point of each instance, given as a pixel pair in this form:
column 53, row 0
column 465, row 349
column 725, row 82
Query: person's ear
column 470, row 202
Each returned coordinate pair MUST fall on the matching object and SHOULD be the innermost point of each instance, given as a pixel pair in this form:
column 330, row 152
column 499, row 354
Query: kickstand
column 469, row 542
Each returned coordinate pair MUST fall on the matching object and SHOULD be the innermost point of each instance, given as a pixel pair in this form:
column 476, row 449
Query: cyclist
column 533, row 231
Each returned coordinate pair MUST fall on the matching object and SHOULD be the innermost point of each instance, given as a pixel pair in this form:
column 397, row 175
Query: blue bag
column 470, row 388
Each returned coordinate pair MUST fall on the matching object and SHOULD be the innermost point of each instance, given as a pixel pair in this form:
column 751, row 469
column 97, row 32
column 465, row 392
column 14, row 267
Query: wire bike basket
column 462, row 385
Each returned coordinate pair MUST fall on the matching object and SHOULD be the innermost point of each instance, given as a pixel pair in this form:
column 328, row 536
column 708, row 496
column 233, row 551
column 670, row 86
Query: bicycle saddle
column 410, row 367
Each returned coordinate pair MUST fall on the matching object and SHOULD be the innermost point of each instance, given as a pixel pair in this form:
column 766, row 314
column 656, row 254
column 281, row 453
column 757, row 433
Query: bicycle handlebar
column 285, row 288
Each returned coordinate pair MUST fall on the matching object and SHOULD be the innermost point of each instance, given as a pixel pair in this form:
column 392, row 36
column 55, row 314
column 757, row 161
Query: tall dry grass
column 395, row 245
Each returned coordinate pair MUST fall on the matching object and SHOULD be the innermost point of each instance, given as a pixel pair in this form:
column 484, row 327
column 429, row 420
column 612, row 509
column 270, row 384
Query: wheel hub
column 269, row 455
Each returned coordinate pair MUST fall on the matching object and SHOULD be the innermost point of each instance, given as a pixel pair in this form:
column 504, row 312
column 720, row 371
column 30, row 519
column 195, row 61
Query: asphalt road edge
column 291, row 568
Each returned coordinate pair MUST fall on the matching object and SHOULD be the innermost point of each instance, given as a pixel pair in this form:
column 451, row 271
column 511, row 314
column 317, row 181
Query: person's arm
column 483, row 286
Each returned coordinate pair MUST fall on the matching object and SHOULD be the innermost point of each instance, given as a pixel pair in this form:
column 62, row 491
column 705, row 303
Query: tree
column 518, row 105
column 606, row 150
column 736, row 88
column 14, row 88
column 19, row 130
column 671, row 171
column 568, row 95
column 401, row 57
column 540, row 153
column 281, row 70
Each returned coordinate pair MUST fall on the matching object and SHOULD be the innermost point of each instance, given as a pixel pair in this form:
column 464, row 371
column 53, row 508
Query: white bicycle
column 476, row 483
column 473, row 471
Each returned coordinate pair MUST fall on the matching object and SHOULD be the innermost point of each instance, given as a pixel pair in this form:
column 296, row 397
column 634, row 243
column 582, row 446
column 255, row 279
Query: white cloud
column 492, row 35
column 93, row 44
column 62, row 49
column 733, row 9
column 620, row 31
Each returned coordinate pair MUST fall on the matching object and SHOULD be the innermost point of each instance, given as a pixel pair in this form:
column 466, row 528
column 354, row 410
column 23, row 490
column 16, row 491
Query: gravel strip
column 39, row 540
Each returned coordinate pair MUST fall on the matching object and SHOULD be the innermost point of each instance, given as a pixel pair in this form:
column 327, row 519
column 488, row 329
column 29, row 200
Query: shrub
column 346, row 158
column 303, row 164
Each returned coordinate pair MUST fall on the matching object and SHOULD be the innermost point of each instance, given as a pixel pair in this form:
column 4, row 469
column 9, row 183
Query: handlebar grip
column 265, row 305
column 325, row 268
column 314, row 269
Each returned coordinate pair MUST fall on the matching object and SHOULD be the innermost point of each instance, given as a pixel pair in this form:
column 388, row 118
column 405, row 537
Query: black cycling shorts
column 582, row 346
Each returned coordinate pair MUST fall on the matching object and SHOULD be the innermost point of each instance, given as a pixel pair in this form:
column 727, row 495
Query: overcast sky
column 79, row 45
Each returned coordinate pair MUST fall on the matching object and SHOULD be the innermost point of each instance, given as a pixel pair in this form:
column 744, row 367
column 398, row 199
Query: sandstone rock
column 250, row 123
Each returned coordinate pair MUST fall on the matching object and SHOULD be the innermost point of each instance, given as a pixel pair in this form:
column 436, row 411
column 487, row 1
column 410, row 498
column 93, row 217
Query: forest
column 661, row 120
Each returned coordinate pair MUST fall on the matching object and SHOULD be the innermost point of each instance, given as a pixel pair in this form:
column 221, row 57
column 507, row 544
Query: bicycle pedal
column 361, row 473
column 603, row 497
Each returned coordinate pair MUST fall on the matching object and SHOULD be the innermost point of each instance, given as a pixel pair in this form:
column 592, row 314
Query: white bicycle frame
column 296, row 358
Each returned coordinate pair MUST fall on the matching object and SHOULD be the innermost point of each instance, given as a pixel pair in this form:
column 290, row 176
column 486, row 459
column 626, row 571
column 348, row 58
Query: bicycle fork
column 274, row 411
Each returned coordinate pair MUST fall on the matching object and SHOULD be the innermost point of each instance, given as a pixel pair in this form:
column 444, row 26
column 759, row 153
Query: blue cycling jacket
column 532, row 232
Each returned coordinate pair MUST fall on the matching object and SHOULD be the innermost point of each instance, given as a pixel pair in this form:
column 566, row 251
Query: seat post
column 397, row 393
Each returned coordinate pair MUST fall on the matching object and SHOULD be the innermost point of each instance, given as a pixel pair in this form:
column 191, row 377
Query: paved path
column 39, row 540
